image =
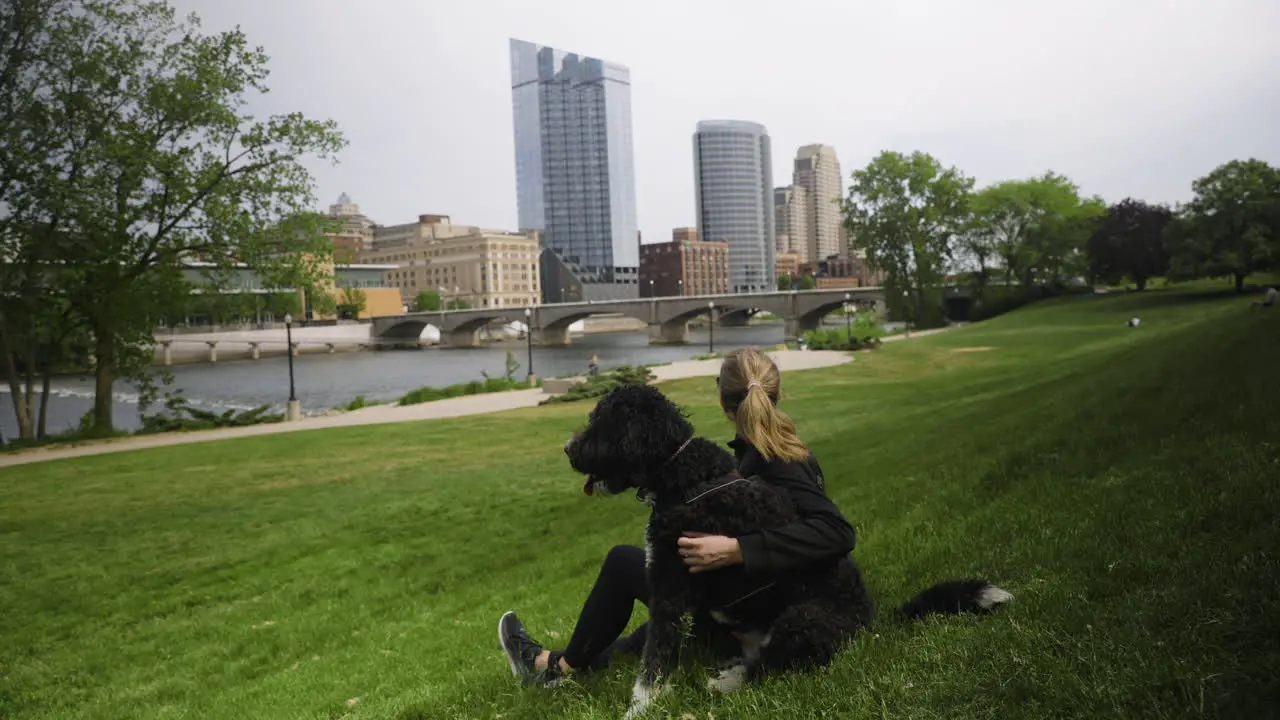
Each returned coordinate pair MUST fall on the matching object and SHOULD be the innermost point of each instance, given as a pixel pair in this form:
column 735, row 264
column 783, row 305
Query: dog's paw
column 731, row 662
column 729, row 679
column 641, row 697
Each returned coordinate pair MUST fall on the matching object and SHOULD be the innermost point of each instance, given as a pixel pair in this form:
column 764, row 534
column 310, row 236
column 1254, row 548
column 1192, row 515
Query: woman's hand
column 703, row 552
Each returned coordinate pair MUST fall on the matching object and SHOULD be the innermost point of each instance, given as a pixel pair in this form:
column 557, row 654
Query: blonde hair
column 749, row 384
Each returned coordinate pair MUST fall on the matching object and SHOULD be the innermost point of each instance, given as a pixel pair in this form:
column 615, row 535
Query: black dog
column 638, row 439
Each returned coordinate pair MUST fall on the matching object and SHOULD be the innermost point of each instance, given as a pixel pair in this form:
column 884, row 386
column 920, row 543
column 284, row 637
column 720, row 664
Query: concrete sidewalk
column 378, row 414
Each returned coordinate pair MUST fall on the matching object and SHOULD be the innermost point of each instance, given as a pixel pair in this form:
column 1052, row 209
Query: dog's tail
column 954, row 597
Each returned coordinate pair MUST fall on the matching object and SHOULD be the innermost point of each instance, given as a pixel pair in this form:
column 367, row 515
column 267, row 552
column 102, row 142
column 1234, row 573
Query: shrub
column 598, row 385
column 356, row 404
column 475, row 387
column 866, row 331
column 180, row 417
column 838, row 339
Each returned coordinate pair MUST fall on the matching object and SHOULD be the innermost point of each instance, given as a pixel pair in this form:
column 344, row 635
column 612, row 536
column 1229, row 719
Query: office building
column 817, row 170
column 791, row 226
column 787, row 265
column 478, row 267
column 575, row 173
column 684, row 266
column 354, row 231
column 733, row 181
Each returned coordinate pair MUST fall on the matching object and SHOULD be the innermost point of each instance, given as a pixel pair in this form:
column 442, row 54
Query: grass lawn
column 1123, row 483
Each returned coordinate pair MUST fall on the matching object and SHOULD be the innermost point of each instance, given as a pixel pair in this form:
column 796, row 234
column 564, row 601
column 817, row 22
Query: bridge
column 668, row 317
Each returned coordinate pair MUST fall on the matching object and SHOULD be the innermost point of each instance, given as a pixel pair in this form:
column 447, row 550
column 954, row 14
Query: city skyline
column 422, row 91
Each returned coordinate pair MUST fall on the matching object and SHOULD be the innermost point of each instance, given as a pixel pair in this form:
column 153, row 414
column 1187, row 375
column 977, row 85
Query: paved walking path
column 452, row 407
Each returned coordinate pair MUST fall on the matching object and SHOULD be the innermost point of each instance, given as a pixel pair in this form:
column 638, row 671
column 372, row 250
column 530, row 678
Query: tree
column 429, row 301
column 904, row 211
column 141, row 159
column 426, row 301
column 1037, row 227
column 1130, row 243
column 1232, row 224
column 784, row 283
column 976, row 242
column 807, row 282
column 354, row 301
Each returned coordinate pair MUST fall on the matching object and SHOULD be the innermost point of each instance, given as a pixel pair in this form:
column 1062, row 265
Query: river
column 325, row 381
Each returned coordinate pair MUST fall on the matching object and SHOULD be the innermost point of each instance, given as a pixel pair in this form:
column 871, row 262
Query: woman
column 767, row 446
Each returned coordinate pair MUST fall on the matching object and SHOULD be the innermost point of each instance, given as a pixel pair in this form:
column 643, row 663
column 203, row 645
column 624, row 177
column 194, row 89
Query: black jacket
column 821, row 534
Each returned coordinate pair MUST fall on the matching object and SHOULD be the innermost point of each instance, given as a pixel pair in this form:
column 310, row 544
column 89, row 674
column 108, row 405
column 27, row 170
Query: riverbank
column 378, row 414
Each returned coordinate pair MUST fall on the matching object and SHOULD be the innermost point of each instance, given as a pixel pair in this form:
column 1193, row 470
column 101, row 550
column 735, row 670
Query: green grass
column 1122, row 483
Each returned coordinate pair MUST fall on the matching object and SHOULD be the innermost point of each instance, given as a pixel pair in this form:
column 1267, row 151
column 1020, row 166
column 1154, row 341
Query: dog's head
column 630, row 434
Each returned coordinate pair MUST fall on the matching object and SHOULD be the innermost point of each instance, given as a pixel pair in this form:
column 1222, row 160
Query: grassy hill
column 1123, row 483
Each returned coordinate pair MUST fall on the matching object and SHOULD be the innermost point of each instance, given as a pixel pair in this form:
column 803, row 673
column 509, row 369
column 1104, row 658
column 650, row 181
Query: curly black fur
column 636, row 438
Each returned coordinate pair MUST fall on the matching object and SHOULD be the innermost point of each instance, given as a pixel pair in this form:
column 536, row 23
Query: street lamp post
column 680, row 283
column 848, row 322
column 294, row 411
column 651, row 289
column 906, row 311
column 711, row 327
column 528, row 334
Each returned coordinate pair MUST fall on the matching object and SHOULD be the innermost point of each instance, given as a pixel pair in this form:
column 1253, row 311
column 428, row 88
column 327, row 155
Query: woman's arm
column 821, row 533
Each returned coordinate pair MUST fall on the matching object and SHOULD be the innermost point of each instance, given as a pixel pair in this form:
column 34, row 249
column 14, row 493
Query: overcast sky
column 1126, row 97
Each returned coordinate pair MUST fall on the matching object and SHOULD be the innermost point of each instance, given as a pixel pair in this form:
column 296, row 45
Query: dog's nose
column 569, row 443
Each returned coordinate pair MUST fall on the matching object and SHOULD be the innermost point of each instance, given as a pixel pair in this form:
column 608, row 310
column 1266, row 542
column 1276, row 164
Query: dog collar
column 680, row 449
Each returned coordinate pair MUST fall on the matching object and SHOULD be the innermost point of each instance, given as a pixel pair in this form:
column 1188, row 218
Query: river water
column 324, row 381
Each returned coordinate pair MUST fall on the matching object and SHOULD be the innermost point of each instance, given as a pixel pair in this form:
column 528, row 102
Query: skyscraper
column 575, row 172
column 733, row 179
column 791, row 228
column 817, row 170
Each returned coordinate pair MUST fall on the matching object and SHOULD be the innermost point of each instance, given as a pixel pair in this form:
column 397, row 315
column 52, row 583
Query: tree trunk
column 41, row 426
column 104, row 379
column 25, row 430
column 1239, row 282
column 1142, row 283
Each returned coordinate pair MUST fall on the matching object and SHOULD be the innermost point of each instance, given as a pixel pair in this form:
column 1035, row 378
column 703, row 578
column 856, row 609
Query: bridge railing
column 729, row 300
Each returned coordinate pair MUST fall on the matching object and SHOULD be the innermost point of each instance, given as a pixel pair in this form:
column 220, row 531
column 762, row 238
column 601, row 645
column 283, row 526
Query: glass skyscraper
column 575, row 171
column 733, row 179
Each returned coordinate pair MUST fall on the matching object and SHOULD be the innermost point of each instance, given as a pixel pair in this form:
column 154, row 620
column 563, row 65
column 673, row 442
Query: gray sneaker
column 522, row 652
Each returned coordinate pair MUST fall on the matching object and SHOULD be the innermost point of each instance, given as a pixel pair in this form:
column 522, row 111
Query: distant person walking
column 593, row 365
column 1269, row 299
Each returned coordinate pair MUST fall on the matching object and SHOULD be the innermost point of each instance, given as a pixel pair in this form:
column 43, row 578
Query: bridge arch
column 812, row 319
column 403, row 331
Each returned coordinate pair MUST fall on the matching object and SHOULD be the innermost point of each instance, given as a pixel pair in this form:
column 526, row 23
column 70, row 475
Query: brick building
column 684, row 266
column 840, row 272
column 786, row 265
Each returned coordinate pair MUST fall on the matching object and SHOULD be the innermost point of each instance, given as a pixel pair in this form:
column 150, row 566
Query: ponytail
column 749, row 385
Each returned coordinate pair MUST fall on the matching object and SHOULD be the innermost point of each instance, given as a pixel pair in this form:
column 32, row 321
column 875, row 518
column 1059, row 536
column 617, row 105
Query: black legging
column 621, row 582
